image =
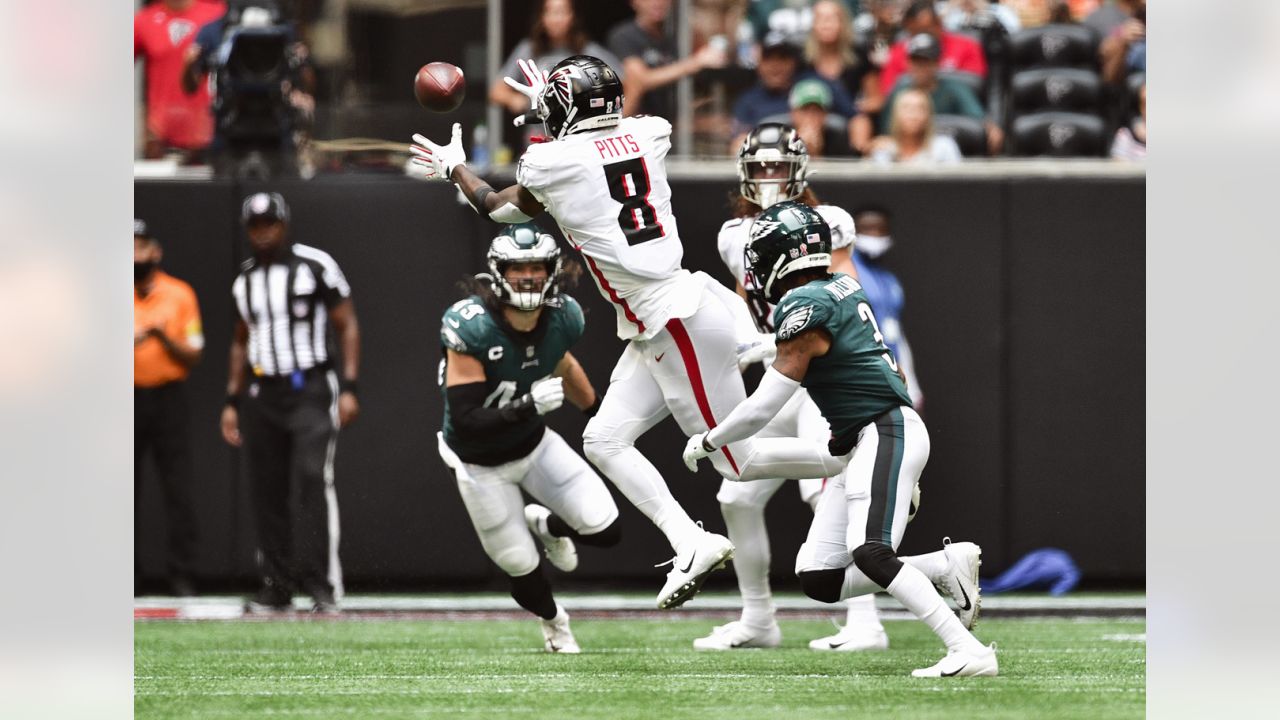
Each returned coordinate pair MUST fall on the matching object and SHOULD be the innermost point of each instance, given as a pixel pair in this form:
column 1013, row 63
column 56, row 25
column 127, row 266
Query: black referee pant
column 289, row 436
column 160, row 428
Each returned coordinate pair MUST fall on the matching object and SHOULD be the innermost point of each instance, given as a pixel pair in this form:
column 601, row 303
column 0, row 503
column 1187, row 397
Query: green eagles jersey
column 512, row 362
column 857, row 380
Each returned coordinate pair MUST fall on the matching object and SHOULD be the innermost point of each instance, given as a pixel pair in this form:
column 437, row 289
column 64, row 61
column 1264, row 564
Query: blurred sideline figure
column 773, row 167
column 167, row 343
column 507, row 364
column 162, row 32
column 602, row 177
column 828, row 342
column 287, row 411
column 883, row 290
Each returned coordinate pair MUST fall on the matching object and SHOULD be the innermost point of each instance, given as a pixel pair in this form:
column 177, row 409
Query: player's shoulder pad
column 841, row 224
column 803, row 308
column 651, row 125
column 466, row 326
column 534, row 165
column 567, row 314
column 732, row 232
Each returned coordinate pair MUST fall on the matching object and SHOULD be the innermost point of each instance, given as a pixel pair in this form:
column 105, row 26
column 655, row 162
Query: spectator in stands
column 830, row 54
column 1124, row 49
column 1131, row 142
column 874, row 33
column 1034, row 13
column 556, row 34
column 1111, row 15
column 649, row 65
column 176, row 121
column 911, row 139
column 958, row 53
column 949, row 96
column 977, row 15
column 824, row 134
column 769, row 96
column 167, row 343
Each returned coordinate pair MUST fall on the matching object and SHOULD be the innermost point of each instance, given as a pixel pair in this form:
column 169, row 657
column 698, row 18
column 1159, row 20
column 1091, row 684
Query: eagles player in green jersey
column 506, row 365
column 829, row 343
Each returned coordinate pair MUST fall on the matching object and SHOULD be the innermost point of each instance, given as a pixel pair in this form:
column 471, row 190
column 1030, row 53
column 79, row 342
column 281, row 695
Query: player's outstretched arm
column 777, row 386
column 448, row 162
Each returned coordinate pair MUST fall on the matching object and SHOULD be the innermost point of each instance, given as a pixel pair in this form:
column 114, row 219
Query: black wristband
column 593, row 409
column 482, row 192
column 348, row 386
column 232, row 401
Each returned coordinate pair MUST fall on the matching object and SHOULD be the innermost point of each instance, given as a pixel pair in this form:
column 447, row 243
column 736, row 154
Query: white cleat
column 560, row 551
column 961, row 583
column 979, row 663
column 558, row 636
column 736, row 635
column 853, row 639
column 691, row 567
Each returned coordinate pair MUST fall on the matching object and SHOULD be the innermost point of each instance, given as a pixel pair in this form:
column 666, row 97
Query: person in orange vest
column 167, row 341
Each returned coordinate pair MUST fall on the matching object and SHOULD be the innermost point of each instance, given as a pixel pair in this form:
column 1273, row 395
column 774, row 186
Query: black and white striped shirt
column 285, row 304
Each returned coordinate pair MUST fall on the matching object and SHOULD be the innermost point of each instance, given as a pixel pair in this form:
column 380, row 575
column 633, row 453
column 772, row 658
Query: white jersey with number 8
column 608, row 191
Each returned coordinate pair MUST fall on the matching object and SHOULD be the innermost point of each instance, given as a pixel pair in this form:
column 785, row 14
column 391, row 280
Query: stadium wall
column 1025, row 310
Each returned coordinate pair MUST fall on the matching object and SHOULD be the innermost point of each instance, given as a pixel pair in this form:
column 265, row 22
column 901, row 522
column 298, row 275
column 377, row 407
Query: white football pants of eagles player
column 688, row 371
column 743, row 504
column 554, row 475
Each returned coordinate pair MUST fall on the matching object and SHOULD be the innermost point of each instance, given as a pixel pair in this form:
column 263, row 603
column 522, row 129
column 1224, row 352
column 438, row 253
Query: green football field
column 1050, row 668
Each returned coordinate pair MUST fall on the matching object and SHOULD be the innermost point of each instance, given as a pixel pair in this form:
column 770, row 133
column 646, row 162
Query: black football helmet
column 773, row 165
column 524, row 243
column 787, row 237
column 582, row 93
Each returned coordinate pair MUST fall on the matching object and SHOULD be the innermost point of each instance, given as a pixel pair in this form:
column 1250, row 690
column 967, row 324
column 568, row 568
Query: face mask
column 873, row 246
column 143, row 270
column 768, row 190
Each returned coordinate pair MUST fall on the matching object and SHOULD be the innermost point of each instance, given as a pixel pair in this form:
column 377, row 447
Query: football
column 439, row 86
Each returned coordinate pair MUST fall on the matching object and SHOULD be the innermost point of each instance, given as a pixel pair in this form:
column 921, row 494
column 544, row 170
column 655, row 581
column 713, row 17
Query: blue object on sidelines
column 1047, row 567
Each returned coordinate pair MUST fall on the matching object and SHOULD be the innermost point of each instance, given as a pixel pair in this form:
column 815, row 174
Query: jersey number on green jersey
column 864, row 312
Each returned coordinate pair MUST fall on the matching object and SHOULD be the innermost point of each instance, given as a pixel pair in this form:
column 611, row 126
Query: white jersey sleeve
column 841, row 224
column 732, row 243
column 608, row 191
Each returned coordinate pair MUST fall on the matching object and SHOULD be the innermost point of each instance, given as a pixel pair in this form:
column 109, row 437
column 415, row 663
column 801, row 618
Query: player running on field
column 506, row 364
column 829, row 343
column 773, row 167
column 603, row 178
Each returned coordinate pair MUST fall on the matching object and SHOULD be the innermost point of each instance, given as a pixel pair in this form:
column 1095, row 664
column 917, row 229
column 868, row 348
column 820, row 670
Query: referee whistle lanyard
column 296, row 379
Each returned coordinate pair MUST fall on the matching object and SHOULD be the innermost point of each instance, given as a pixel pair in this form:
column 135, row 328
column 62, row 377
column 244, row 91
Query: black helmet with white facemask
column 582, row 93
column 773, row 165
column 524, row 243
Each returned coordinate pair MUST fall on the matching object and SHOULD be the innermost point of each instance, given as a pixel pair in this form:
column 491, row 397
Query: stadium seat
column 969, row 133
column 1055, row 89
column 1059, row 134
column 1135, row 81
column 1054, row 46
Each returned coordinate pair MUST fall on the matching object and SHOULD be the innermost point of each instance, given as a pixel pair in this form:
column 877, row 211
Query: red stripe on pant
column 685, row 346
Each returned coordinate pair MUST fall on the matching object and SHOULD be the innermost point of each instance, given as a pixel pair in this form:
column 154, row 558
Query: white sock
column 916, row 593
column 789, row 458
column 751, row 558
column 862, row 613
column 643, row 485
column 933, row 565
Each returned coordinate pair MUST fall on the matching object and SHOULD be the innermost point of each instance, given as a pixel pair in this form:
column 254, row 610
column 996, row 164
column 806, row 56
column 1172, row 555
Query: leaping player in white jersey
column 603, row 178
column 772, row 167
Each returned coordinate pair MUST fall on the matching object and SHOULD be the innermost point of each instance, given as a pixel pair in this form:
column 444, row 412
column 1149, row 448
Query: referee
column 288, row 409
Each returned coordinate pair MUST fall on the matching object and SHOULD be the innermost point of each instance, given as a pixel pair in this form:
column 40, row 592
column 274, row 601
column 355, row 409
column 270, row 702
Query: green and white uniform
column 492, row 469
column 512, row 361
column 857, row 380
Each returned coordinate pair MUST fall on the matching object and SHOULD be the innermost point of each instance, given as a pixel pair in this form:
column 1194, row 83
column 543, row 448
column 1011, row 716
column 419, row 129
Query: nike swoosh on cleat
column 965, row 595
column 833, row 646
column 957, row 671
column 689, row 564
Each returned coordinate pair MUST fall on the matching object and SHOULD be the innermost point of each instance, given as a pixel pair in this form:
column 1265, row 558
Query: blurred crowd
column 892, row 81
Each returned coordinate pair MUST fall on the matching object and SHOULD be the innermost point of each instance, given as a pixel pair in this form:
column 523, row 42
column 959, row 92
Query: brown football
column 439, row 86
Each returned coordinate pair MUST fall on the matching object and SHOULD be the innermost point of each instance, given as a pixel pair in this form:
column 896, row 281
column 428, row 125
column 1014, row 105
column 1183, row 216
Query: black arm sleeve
column 470, row 416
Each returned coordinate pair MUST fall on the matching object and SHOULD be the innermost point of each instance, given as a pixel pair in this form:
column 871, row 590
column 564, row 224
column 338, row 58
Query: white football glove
column 761, row 350
column 537, row 83
column 436, row 162
column 548, row 394
column 695, row 450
